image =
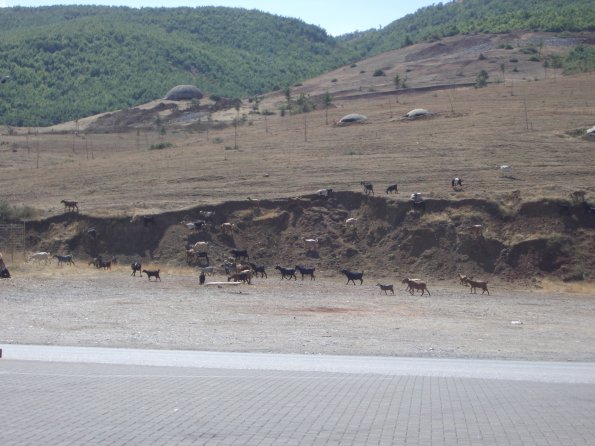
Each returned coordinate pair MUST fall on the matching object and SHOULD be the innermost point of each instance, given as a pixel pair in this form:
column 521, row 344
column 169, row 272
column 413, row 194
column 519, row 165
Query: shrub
column 534, row 59
column 14, row 213
column 353, row 65
column 161, row 146
column 481, row 57
column 513, row 60
column 379, row 72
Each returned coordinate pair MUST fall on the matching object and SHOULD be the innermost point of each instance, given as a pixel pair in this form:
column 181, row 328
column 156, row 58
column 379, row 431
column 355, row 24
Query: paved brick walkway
column 50, row 403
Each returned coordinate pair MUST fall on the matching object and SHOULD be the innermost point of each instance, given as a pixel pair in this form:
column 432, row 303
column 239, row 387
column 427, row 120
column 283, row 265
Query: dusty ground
column 85, row 307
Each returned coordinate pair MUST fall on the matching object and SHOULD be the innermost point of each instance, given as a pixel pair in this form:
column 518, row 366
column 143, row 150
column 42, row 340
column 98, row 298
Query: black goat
column 240, row 254
column 136, row 266
column 65, row 259
column 392, row 188
column 258, row 269
column 286, row 272
column 588, row 208
column 386, row 288
column 152, row 273
column 368, row 187
column 353, row 276
column 4, row 274
column 305, row 271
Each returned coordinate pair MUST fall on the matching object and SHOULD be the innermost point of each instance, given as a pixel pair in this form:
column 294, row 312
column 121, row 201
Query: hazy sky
column 336, row 16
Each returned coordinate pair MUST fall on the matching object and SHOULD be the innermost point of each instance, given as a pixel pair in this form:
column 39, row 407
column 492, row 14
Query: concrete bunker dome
column 183, row 93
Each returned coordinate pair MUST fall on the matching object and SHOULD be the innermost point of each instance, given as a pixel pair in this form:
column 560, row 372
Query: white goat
column 46, row 257
column 324, row 192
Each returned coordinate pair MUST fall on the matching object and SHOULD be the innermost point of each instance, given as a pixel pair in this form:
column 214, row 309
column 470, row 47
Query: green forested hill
column 477, row 16
column 66, row 62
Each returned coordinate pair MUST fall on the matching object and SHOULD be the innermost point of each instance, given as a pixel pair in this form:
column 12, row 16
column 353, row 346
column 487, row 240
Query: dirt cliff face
column 519, row 241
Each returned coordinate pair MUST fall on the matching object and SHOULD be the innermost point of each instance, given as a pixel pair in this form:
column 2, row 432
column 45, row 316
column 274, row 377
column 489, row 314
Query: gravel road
column 85, row 307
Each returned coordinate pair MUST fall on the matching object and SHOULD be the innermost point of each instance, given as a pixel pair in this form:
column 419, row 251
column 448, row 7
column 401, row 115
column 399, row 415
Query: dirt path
column 95, row 308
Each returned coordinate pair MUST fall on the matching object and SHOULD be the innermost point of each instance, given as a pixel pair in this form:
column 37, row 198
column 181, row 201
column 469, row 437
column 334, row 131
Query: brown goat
column 416, row 284
column 474, row 284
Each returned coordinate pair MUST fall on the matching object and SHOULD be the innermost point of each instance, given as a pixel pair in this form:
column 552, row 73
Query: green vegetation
column 580, row 60
column 67, row 62
column 10, row 213
column 482, row 79
column 161, row 146
column 476, row 16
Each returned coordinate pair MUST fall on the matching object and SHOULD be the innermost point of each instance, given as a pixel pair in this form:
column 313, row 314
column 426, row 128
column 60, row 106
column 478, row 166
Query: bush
column 161, row 146
column 14, row 213
column 379, row 72
column 534, row 59
column 481, row 57
column 513, row 60
column 482, row 79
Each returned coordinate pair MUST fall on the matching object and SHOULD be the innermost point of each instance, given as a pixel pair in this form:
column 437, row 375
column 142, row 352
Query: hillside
column 529, row 117
column 70, row 62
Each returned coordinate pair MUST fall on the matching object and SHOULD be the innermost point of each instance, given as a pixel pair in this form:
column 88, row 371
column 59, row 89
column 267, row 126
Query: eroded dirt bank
column 520, row 241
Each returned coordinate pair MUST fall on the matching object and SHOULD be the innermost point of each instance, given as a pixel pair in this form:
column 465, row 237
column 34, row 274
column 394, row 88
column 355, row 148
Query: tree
column 287, row 93
column 236, row 122
column 397, row 81
column 482, row 79
column 328, row 100
column 503, row 70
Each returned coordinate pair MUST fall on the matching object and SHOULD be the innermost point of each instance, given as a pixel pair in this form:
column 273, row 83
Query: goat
column 289, row 272
column 152, row 273
column 258, row 269
column 195, row 225
column 201, row 247
column 147, row 219
column 4, row 273
column 136, row 266
column 506, row 171
column 324, row 192
column 254, row 202
column 207, row 215
column 368, row 187
column 210, row 270
column 353, row 276
column 242, row 276
column 108, row 264
column 240, row 254
column 96, row 261
column 417, row 200
column 228, row 228
column 201, row 278
column 392, row 188
column 457, row 183
column 588, row 208
column 463, row 279
column 351, row 222
column 385, row 288
column 39, row 256
column 70, row 205
column 65, row 259
column 416, row 284
column 474, row 284
column 311, row 244
column 305, row 271
column 91, row 232
column 192, row 256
